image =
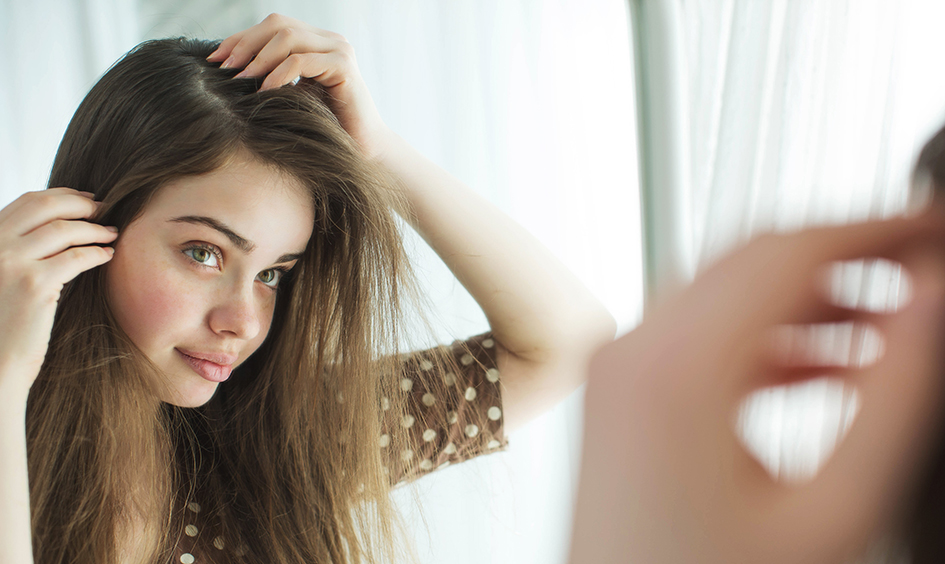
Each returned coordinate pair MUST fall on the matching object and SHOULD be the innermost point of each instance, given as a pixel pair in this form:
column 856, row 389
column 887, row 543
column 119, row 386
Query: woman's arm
column 15, row 532
column 545, row 320
column 46, row 240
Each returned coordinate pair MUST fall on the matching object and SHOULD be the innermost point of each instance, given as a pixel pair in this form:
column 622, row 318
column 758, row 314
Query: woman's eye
column 271, row 277
column 203, row 256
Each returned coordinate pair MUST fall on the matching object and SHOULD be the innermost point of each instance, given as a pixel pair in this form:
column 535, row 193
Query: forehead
column 257, row 201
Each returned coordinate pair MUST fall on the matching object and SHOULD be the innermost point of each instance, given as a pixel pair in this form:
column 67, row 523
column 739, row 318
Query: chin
column 190, row 396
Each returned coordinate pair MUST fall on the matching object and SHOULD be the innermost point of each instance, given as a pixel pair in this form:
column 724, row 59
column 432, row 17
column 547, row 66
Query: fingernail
column 89, row 195
column 228, row 63
column 109, row 250
column 112, row 228
column 211, row 55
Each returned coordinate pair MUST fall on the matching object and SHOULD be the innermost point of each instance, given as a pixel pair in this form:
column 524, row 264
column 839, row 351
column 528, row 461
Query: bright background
column 529, row 102
column 760, row 115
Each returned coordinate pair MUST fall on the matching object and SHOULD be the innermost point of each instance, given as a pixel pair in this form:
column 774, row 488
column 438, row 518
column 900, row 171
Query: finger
column 785, row 273
column 245, row 48
column 65, row 266
column 901, row 398
column 794, row 353
column 12, row 207
column 328, row 69
column 286, row 42
column 880, row 239
column 286, row 72
column 58, row 235
column 35, row 209
column 827, row 312
column 796, row 374
column 223, row 50
column 253, row 39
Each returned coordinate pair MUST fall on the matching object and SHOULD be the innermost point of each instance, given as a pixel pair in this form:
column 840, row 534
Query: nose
column 236, row 313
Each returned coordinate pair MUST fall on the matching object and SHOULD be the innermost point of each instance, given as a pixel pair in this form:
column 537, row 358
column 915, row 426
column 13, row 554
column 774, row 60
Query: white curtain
column 53, row 51
column 796, row 112
column 530, row 102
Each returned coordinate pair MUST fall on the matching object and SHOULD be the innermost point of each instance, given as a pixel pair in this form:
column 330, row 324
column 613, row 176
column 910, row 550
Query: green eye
column 203, row 255
column 270, row 277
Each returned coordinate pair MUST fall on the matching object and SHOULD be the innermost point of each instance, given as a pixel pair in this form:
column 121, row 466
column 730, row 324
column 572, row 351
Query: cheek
column 150, row 301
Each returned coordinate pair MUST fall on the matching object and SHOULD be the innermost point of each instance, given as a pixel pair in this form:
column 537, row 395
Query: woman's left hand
column 283, row 49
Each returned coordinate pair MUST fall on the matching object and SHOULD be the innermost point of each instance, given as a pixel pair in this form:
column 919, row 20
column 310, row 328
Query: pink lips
column 214, row 367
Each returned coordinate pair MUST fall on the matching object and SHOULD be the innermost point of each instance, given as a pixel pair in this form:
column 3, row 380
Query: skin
column 170, row 293
column 664, row 478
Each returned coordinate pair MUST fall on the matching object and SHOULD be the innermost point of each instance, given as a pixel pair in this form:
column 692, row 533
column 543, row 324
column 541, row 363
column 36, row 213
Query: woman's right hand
column 46, row 240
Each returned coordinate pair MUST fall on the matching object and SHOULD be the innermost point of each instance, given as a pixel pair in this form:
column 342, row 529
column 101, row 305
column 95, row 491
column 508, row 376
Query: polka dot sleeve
column 453, row 409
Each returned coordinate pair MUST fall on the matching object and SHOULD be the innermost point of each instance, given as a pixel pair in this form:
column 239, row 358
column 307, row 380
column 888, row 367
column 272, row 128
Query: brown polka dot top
column 449, row 421
column 453, row 415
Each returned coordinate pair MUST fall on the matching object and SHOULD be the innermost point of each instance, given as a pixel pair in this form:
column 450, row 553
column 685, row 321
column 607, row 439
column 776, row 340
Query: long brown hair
column 923, row 532
column 287, row 449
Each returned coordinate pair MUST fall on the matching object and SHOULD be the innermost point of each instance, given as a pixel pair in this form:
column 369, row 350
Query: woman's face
column 194, row 278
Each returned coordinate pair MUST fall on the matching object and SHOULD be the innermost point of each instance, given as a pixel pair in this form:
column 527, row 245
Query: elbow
column 586, row 331
column 598, row 325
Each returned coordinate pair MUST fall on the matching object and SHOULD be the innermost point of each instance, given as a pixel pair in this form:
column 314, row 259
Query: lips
column 214, row 367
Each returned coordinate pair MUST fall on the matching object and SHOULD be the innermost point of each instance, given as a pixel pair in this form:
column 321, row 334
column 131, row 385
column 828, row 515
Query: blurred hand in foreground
column 664, row 477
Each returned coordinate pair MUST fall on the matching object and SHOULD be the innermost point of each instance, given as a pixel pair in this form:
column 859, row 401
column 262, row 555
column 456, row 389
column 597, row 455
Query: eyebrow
column 238, row 241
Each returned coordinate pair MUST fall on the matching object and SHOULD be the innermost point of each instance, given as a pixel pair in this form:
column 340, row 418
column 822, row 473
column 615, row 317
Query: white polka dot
column 406, row 455
column 360, row 488
column 429, row 399
column 190, row 530
column 466, row 359
column 218, row 543
column 406, row 384
column 470, row 393
column 471, row 430
column 444, row 465
column 450, row 449
column 385, row 404
column 429, row 435
column 426, row 464
column 488, row 343
column 407, row 421
column 385, row 469
column 187, row 558
column 494, row 444
column 425, row 364
column 451, row 417
column 194, row 506
column 340, row 398
column 492, row 375
column 494, row 413
column 385, row 440
column 449, row 379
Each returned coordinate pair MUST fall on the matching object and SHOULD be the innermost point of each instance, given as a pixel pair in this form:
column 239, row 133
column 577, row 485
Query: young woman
column 199, row 319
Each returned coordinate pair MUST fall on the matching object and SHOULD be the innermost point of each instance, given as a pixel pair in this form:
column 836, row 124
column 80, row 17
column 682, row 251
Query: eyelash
column 282, row 270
